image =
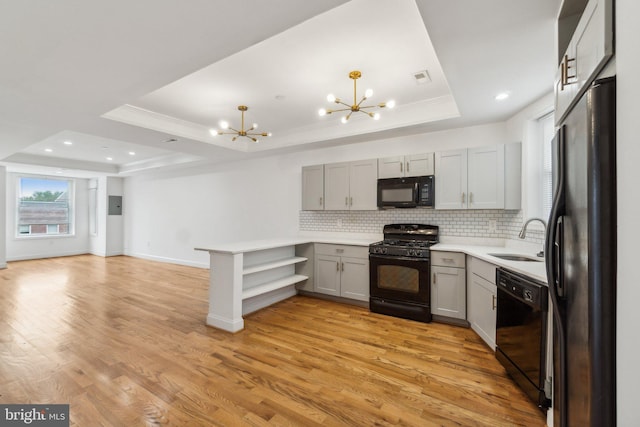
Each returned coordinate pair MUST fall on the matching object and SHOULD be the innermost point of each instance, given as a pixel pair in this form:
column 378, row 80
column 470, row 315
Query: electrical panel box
column 115, row 205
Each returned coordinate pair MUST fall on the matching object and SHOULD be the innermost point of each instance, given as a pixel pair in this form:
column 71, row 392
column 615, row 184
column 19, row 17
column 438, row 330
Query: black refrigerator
column 581, row 261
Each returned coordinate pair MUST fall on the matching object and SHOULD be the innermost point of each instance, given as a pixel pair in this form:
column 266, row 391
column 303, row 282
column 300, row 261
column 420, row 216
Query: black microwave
column 409, row 192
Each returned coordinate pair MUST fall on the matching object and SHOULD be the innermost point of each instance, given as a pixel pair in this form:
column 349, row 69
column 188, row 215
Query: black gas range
column 399, row 271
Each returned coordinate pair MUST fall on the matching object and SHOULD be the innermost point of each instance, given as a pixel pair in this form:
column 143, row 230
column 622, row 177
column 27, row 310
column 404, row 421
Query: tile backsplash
column 470, row 223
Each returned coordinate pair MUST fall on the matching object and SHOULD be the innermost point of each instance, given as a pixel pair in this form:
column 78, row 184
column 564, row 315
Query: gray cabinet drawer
column 483, row 269
column 447, row 259
column 342, row 250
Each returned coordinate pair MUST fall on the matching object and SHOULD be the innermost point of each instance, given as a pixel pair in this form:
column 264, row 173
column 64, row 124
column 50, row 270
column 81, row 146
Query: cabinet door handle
column 493, row 302
column 564, row 72
column 346, row 201
column 462, row 200
column 342, row 266
column 320, row 201
column 337, row 266
column 470, row 197
column 339, row 251
column 400, row 166
column 350, row 201
column 434, row 278
column 408, row 166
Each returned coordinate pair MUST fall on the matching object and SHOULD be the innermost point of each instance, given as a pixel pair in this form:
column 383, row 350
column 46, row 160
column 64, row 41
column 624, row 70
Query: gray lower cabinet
column 342, row 271
column 448, row 285
column 482, row 299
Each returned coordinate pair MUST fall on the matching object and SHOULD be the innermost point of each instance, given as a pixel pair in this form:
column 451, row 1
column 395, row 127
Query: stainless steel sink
column 517, row 257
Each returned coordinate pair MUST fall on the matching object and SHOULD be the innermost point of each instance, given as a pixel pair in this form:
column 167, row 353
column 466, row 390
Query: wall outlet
column 493, row 226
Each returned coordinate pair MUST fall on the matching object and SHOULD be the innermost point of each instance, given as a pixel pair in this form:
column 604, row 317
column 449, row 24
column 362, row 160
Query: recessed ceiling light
column 109, row 158
column 502, row 96
column 132, row 153
column 68, row 143
column 48, row 150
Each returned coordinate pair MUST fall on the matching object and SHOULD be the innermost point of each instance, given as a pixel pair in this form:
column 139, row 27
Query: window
column 546, row 131
column 45, row 206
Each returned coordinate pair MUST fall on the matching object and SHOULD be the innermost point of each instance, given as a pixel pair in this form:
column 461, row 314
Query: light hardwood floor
column 123, row 341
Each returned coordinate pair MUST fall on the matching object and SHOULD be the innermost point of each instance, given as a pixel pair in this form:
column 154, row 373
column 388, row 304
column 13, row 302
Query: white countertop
column 479, row 248
column 534, row 269
column 258, row 245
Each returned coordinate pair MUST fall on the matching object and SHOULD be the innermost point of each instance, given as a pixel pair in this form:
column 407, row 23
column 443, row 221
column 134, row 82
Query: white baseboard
column 225, row 324
column 43, row 256
column 168, row 260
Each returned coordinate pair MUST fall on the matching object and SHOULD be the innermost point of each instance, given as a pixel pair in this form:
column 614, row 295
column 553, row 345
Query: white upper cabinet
column 451, row 179
column 336, row 186
column 585, row 45
column 479, row 178
column 351, row 185
column 401, row 166
column 313, row 188
column 391, row 167
column 485, row 177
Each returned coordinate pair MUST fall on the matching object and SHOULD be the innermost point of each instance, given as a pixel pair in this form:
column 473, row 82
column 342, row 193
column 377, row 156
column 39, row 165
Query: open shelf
column 272, row 265
column 272, row 286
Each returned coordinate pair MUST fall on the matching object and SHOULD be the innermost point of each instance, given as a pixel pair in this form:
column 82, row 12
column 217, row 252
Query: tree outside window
column 44, row 207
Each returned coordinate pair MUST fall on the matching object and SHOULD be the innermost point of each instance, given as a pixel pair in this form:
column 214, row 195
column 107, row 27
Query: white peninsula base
column 246, row 277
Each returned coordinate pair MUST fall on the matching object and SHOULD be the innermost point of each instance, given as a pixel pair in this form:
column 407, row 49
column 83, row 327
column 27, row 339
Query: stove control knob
column 385, row 250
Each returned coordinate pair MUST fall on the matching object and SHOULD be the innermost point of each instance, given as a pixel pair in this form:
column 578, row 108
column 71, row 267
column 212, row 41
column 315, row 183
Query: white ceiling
column 135, row 76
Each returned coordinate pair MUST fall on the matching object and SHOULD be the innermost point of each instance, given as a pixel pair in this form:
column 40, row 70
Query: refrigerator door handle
column 553, row 241
column 558, row 243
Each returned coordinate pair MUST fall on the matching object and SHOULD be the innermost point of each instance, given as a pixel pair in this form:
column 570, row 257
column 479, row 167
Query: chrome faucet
column 523, row 231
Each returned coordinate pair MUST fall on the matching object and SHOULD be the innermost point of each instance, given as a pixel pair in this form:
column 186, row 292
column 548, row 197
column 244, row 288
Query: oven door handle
column 397, row 258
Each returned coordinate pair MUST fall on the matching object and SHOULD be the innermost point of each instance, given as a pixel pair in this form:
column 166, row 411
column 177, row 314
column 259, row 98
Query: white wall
column 3, row 217
column 114, row 244
column 97, row 241
column 628, row 158
column 167, row 215
column 45, row 247
column 109, row 237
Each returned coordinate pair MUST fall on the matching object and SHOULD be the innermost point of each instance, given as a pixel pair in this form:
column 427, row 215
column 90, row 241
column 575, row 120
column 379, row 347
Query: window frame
column 71, row 185
column 533, row 164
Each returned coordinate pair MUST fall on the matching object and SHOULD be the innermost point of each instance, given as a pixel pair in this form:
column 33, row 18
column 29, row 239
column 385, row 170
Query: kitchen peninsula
column 247, row 276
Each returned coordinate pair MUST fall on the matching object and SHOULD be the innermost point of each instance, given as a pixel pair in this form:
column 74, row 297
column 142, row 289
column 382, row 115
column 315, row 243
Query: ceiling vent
column 422, row 77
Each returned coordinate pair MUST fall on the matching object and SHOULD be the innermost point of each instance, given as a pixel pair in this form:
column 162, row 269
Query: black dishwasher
column 521, row 332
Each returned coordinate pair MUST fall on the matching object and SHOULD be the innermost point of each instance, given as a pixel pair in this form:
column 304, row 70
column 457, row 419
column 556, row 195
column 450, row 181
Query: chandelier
column 247, row 133
column 356, row 106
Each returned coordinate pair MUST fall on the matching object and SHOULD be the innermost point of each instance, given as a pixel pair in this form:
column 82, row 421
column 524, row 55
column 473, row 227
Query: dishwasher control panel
column 524, row 288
